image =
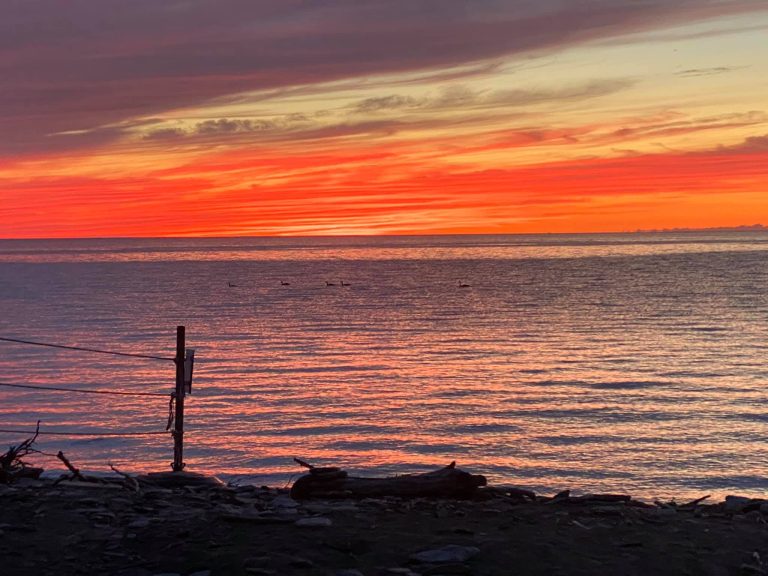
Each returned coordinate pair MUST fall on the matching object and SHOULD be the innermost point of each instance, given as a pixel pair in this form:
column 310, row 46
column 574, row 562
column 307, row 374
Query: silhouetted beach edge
column 126, row 529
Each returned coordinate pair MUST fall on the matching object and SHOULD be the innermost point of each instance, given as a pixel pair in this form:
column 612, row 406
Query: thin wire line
column 27, row 432
column 82, row 349
column 81, row 391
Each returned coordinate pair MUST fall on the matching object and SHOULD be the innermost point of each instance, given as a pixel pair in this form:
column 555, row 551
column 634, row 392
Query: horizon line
column 740, row 228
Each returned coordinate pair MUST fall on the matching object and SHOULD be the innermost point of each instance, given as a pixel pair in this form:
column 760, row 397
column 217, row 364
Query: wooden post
column 178, row 429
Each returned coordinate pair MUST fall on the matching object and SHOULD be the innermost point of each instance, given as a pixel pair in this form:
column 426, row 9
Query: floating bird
column 462, row 285
column 345, row 283
column 329, row 283
column 284, row 283
column 231, row 285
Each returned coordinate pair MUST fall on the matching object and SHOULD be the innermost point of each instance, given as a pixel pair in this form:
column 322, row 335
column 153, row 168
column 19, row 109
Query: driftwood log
column 448, row 482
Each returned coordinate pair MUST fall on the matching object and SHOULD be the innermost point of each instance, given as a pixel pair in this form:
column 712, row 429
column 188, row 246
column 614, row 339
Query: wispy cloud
column 714, row 71
column 462, row 97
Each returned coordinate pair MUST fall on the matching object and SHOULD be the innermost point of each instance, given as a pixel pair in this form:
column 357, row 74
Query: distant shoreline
column 752, row 228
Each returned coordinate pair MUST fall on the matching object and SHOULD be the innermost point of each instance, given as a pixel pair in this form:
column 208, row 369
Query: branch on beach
column 303, row 464
column 70, row 467
column 75, row 473
column 12, row 464
column 130, row 481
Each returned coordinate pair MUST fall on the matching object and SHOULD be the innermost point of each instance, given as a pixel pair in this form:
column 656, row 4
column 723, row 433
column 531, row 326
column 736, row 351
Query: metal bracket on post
column 189, row 365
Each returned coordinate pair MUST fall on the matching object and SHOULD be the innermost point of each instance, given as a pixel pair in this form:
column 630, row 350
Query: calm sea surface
column 631, row 363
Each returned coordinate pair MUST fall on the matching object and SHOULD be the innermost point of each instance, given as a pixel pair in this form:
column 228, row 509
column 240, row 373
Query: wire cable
column 58, row 433
column 81, row 391
column 83, row 349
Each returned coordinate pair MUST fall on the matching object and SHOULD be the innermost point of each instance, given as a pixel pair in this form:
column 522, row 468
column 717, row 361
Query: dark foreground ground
column 112, row 529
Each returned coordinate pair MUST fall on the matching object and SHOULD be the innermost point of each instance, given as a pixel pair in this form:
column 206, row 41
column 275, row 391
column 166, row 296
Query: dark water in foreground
column 611, row 362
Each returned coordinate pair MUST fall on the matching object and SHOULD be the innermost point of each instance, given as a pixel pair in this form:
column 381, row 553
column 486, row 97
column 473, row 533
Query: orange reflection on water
column 633, row 372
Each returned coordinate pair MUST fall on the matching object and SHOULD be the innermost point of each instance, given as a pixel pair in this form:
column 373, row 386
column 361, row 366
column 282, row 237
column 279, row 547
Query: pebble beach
column 125, row 528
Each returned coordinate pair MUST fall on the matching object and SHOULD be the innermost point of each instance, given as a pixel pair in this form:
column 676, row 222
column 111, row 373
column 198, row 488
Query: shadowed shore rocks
column 122, row 529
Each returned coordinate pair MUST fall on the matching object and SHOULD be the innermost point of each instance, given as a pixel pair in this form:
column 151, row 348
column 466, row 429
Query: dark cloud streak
column 714, row 71
column 80, row 65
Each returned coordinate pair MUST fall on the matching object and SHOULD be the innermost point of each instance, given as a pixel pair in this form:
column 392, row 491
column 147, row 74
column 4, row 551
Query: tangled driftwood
column 448, row 482
column 12, row 464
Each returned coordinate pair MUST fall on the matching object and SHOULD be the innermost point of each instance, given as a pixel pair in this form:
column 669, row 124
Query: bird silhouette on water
column 231, row 284
column 463, row 285
column 284, row 283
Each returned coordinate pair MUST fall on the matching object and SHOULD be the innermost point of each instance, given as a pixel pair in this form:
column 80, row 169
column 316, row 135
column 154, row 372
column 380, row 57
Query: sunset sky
column 304, row 117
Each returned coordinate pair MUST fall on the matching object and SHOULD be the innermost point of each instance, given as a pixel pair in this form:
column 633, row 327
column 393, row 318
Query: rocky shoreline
column 126, row 529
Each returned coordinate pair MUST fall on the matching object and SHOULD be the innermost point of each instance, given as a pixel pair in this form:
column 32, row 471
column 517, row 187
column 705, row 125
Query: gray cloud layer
column 77, row 65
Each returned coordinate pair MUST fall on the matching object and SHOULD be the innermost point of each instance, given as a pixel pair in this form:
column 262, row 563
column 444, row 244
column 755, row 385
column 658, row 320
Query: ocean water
column 632, row 363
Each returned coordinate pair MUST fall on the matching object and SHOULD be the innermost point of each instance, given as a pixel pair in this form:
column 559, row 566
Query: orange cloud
column 377, row 190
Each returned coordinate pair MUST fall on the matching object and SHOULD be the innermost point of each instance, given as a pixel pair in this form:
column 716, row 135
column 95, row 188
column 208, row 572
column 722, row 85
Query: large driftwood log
column 448, row 482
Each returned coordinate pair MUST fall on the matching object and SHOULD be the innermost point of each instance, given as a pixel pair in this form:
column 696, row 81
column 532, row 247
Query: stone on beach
column 736, row 504
column 447, row 570
column 316, row 522
column 452, row 553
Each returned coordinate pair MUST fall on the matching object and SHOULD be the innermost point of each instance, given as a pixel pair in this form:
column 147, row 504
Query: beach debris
column 565, row 497
column 506, row 492
column 299, row 562
column 581, row 525
column 12, row 464
column 77, row 478
column 599, row 498
column 521, row 494
column 736, row 504
column 130, row 481
column 694, row 503
column 752, row 569
column 448, row 482
column 561, row 496
column 76, row 475
column 450, row 554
